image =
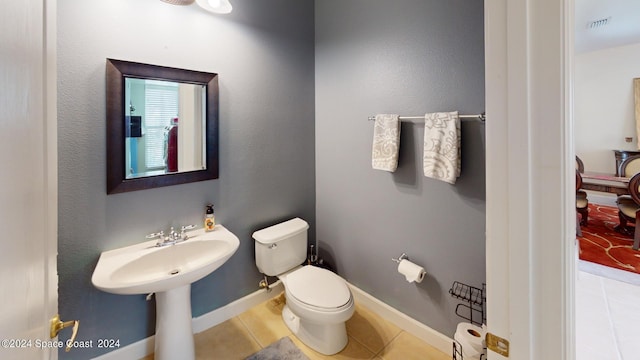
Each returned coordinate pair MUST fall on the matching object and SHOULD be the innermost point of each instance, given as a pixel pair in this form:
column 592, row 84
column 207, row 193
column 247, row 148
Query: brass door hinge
column 497, row 344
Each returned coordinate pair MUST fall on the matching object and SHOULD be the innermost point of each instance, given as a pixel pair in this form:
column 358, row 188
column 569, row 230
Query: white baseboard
column 403, row 321
column 220, row 315
column 144, row 347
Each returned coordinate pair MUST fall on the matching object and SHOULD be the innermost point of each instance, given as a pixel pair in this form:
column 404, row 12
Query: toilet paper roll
column 470, row 338
column 411, row 271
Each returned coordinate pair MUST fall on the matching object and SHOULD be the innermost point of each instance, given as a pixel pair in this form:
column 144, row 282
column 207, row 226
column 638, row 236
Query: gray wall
column 264, row 55
column 407, row 57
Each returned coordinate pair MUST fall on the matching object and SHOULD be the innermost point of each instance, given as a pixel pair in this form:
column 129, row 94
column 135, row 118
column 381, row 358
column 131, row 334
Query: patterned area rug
column 283, row 349
column 602, row 245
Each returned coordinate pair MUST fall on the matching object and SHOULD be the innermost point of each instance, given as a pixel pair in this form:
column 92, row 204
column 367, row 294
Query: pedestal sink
column 168, row 271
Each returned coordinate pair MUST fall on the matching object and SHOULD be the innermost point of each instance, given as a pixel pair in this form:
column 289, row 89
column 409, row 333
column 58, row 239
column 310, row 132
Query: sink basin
column 167, row 271
column 145, row 268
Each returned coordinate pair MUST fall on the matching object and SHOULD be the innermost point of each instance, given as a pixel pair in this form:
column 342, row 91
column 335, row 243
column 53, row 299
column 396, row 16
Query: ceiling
column 622, row 24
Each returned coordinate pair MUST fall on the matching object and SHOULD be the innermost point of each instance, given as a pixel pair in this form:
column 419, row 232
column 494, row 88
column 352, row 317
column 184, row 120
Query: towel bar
column 479, row 117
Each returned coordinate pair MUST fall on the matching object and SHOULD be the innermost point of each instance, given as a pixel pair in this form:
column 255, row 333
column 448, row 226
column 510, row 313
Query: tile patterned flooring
column 370, row 337
column 607, row 317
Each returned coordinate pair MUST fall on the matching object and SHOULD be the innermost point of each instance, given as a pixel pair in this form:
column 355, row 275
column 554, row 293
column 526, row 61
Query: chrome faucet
column 173, row 238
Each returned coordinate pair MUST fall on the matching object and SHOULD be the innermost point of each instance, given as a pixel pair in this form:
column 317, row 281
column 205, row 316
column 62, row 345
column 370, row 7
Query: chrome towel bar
column 479, row 117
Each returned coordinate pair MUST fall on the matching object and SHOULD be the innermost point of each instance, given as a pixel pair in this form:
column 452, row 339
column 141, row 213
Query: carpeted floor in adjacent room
column 601, row 244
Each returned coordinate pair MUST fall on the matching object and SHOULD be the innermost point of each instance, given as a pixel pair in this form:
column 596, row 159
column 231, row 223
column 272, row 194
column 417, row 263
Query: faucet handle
column 187, row 227
column 155, row 235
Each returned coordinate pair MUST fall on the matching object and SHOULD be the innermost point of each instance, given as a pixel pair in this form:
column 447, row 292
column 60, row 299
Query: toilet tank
column 281, row 247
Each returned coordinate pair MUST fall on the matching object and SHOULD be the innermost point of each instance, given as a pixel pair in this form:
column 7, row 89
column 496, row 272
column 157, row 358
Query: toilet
column 318, row 302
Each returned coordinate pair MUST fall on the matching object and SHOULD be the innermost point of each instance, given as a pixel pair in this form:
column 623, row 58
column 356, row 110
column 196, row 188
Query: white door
column 28, row 178
column 530, row 221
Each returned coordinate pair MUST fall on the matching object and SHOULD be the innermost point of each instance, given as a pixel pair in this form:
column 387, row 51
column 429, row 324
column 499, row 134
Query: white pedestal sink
column 168, row 272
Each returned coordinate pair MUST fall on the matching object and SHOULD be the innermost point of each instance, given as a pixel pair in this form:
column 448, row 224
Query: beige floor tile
column 354, row 350
column 371, row 330
column 229, row 340
column 408, row 347
column 265, row 322
column 370, row 337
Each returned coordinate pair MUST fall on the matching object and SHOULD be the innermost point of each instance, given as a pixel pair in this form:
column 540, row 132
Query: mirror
column 162, row 126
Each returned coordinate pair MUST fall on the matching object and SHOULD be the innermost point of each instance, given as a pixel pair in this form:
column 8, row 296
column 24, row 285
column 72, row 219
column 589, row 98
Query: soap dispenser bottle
column 209, row 219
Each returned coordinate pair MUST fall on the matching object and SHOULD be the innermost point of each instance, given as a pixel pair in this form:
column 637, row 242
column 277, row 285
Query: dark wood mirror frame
column 116, row 72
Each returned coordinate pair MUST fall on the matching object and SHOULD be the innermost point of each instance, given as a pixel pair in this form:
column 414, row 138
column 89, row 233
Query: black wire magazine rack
column 473, row 298
column 471, row 309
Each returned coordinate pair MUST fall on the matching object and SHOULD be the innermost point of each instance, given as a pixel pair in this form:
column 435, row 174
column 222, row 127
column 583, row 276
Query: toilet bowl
column 318, row 302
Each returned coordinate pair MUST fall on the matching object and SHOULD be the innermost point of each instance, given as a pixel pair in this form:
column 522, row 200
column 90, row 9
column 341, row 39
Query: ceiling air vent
column 598, row 23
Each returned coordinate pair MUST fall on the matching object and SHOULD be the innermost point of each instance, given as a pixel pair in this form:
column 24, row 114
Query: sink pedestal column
column 174, row 335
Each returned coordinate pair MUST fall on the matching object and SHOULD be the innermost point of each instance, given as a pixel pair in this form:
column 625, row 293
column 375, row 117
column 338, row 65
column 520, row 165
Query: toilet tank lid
column 279, row 231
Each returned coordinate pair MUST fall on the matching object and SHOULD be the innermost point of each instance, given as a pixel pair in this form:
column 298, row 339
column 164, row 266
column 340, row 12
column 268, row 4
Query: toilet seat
column 318, row 288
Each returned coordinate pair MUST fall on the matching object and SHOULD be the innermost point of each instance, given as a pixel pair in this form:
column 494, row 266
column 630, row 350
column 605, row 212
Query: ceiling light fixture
column 179, row 2
column 216, row 6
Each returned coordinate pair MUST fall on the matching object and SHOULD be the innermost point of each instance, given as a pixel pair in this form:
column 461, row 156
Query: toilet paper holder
column 402, row 257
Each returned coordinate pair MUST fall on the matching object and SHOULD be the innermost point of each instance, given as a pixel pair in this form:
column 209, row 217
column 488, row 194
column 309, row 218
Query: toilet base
column 327, row 339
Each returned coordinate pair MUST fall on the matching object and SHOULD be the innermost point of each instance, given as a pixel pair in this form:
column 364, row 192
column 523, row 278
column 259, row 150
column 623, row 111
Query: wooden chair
column 582, row 203
column 579, row 165
column 629, row 210
column 630, row 166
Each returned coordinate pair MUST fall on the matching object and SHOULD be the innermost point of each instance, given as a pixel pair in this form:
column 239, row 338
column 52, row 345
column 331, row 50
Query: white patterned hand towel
column 386, row 141
column 442, row 146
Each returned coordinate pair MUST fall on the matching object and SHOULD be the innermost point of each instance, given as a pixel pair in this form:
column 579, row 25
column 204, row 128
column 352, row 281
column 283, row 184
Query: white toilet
column 319, row 302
